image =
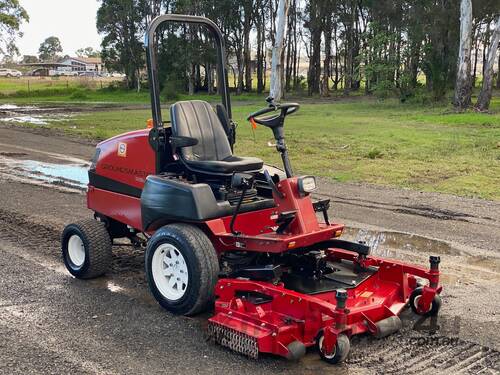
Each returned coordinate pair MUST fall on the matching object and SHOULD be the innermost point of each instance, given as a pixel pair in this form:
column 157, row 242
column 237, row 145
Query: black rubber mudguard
column 356, row 247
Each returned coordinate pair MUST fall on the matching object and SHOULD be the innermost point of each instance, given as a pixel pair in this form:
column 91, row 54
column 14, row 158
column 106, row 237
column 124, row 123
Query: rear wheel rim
column 170, row 272
column 76, row 251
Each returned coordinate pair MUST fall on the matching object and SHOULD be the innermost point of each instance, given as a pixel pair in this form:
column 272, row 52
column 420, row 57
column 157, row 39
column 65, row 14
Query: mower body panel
column 123, row 163
column 116, row 178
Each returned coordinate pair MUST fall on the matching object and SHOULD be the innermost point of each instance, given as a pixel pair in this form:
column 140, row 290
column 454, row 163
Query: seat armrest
column 181, row 141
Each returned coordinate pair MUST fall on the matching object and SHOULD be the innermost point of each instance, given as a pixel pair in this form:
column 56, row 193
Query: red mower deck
column 253, row 317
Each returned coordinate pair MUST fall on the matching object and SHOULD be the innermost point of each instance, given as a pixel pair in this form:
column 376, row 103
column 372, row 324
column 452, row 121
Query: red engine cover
column 127, row 158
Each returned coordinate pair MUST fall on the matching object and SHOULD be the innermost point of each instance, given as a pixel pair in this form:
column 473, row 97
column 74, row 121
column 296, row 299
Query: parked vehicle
column 10, row 73
column 88, row 74
column 63, row 73
column 39, row 72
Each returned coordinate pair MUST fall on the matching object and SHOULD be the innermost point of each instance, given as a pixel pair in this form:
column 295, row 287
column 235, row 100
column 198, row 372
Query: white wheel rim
column 76, row 250
column 170, row 272
column 415, row 302
column 327, row 356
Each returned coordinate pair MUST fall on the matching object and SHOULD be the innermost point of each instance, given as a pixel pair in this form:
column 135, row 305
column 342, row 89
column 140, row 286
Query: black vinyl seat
column 212, row 154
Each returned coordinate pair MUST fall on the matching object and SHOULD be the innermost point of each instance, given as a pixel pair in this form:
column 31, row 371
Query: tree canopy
column 87, row 52
column 12, row 15
column 49, row 49
column 384, row 47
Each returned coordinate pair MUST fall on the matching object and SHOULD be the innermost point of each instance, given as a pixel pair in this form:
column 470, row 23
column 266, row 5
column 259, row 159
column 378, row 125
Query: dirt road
column 53, row 323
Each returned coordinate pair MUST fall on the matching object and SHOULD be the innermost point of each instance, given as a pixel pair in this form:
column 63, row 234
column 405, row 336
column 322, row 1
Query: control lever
column 243, row 182
column 270, row 181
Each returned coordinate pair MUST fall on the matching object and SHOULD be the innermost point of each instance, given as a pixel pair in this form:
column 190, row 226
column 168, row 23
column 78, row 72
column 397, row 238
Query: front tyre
column 182, row 268
column 415, row 297
column 86, row 248
column 340, row 351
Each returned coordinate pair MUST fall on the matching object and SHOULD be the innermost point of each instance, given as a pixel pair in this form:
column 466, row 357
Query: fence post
column 29, row 89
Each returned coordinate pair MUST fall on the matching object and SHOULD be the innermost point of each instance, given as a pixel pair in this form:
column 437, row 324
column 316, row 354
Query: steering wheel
column 277, row 119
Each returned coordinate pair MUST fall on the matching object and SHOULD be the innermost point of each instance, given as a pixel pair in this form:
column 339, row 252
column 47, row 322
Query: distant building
column 85, row 64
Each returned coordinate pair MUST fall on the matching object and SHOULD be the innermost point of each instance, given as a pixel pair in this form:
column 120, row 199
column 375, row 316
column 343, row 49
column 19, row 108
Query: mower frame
column 264, row 305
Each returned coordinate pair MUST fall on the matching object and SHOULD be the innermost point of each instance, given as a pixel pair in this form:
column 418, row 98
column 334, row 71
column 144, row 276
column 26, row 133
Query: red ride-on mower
column 229, row 229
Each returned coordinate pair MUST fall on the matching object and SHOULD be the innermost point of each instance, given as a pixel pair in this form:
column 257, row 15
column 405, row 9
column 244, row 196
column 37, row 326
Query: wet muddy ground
column 53, row 323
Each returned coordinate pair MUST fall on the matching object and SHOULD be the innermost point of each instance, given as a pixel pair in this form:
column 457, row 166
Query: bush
column 172, row 89
column 384, row 90
column 79, row 95
column 374, row 154
column 42, row 93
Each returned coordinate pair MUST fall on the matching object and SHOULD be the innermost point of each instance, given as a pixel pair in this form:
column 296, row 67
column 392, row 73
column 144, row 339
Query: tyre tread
column 207, row 261
column 99, row 247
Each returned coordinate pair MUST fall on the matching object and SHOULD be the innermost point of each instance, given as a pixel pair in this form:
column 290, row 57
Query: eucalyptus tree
column 12, row 15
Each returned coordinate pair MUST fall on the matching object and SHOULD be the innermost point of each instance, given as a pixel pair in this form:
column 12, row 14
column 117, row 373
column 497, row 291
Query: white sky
column 72, row 21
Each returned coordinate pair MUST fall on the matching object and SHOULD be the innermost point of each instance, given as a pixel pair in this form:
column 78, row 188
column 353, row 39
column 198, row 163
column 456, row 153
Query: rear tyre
column 413, row 301
column 182, row 268
column 86, row 249
column 340, row 351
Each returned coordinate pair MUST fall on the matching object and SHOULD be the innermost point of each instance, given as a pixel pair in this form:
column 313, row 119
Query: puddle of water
column 13, row 107
column 372, row 240
column 31, row 115
column 36, row 120
column 70, row 172
column 71, row 175
column 393, row 240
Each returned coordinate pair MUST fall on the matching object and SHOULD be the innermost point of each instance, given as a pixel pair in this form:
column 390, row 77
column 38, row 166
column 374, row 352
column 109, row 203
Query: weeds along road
column 53, row 323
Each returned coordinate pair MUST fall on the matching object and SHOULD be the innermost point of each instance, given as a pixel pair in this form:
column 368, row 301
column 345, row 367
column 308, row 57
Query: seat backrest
column 197, row 119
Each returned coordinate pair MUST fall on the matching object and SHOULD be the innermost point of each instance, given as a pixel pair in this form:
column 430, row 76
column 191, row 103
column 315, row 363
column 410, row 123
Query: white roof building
column 85, row 64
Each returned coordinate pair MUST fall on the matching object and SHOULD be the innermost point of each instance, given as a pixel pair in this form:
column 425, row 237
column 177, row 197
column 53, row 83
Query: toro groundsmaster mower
column 229, row 230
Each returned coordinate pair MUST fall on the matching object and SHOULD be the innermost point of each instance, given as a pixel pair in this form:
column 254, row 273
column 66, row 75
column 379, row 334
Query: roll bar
column 152, row 61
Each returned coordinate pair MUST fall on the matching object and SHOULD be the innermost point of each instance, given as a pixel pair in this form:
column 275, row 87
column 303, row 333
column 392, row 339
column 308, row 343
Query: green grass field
column 76, row 90
column 358, row 139
column 11, row 86
column 363, row 140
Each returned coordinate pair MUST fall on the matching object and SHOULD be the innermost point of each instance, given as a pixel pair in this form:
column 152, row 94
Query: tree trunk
column 209, row 71
column 247, row 59
column 192, row 79
column 463, row 87
column 295, row 46
column 498, row 73
column 277, row 60
column 474, row 72
column 261, row 52
column 414, row 62
column 314, row 72
column 240, row 67
column 483, row 101
column 327, row 62
column 337, row 56
column 290, row 46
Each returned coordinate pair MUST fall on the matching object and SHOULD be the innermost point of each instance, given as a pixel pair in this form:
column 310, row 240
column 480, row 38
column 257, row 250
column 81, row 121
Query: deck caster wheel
column 340, row 351
column 435, row 304
column 86, row 249
column 296, row 350
column 182, row 268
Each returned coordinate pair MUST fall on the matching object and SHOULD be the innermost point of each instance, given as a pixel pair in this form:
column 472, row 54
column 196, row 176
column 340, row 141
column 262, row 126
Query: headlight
column 307, row 184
